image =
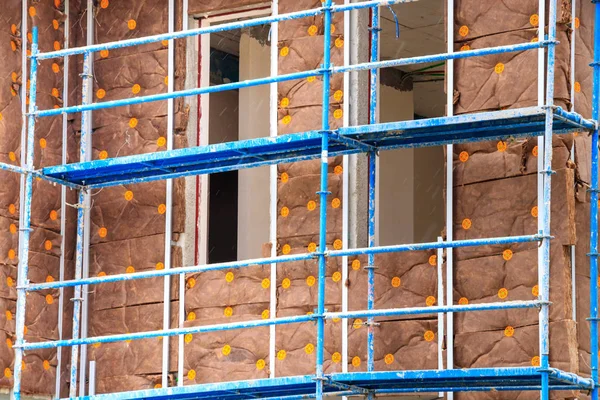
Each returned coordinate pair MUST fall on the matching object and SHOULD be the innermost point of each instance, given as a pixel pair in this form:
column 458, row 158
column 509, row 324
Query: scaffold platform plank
column 497, row 125
column 424, row 381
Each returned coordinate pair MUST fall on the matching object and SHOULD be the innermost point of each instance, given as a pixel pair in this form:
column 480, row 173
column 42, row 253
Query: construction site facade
column 239, row 199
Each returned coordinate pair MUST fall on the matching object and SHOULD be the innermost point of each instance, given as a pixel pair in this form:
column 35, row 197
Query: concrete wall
column 411, row 181
column 429, row 212
column 395, row 202
column 253, row 204
column 223, row 117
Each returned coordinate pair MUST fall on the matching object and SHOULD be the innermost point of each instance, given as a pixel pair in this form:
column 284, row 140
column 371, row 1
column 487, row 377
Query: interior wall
column 428, row 163
column 253, row 192
column 395, row 198
column 223, row 117
column 222, row 199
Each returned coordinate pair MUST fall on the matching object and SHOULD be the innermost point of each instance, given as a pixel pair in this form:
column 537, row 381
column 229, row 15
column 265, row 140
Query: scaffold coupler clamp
column 370, row 323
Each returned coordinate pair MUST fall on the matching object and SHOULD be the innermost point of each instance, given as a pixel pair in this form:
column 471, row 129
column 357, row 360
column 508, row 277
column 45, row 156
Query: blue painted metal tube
column 38, row 174
column 544, row 262
column 23, row 267
column 594, row 207
column 283, row 259
column 176, row 271
column 280, row 321
column 81, row 212
column 442, row 57
column 514, row 388
column 323, row 192
column 12, row 168
column 435, row 245
column 217, row 28
column 180, row 93
column 393, row 312
column 371, row 261
column 568, row 377
column 169, row 332
column 288, row 77
column 373, row 93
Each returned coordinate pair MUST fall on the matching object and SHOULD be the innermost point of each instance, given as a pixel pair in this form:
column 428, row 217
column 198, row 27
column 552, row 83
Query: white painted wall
column 253, row 200
column 395, row 198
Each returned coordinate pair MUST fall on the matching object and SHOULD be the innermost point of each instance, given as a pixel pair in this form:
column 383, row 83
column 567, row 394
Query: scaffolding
column 541, row 121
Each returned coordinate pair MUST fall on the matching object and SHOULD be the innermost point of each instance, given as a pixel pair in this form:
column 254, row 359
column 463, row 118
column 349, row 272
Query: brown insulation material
column 407, row 279
column 582, row 282
column 478, row 162
column 505, row 207
column 237, row 287
column 226, row 356
column 484, row 19
column 116, row 384
column 519, row 348
column 494, row 279
column 128, row 222
column 129, row 256
column 298, row 342
column 482, row 170
column 297, row 284
column 136, row 357
column 45, row 245
column 302, row 204
column 399, row 345
column 505, row 80
column 583, row 326
column 489, row 83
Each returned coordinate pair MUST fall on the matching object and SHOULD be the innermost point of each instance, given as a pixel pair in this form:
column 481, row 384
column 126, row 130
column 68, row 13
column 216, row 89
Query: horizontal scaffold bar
column 288, row 77
column 277, row 321
column 282, row 259
column 217, row 28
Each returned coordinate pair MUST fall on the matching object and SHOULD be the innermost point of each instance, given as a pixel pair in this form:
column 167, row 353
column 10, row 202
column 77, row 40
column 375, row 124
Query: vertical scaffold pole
column 22, row 280
column 544, row 262
column 323, row 192
column 372, row 184
column 594, row 207
column 450, row 194
column 81, row 213
column 166, row 341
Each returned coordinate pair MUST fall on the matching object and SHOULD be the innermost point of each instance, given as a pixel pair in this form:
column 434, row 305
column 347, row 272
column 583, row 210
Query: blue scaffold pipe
column 436, row 245
column 394, row 312
column 287, row 77
column 181, row 93
column 175, row 271
column 217, row 28
column 283, row 259
column 459, row 388
column 323, row 192
column 23, row 267
column 12, row 168
column 373, row 92
column 168, row 332
column 594, row 208
column 544, row 262
column 40, row 175
column 442, row 57
column 280, row 321
column 81, row 212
